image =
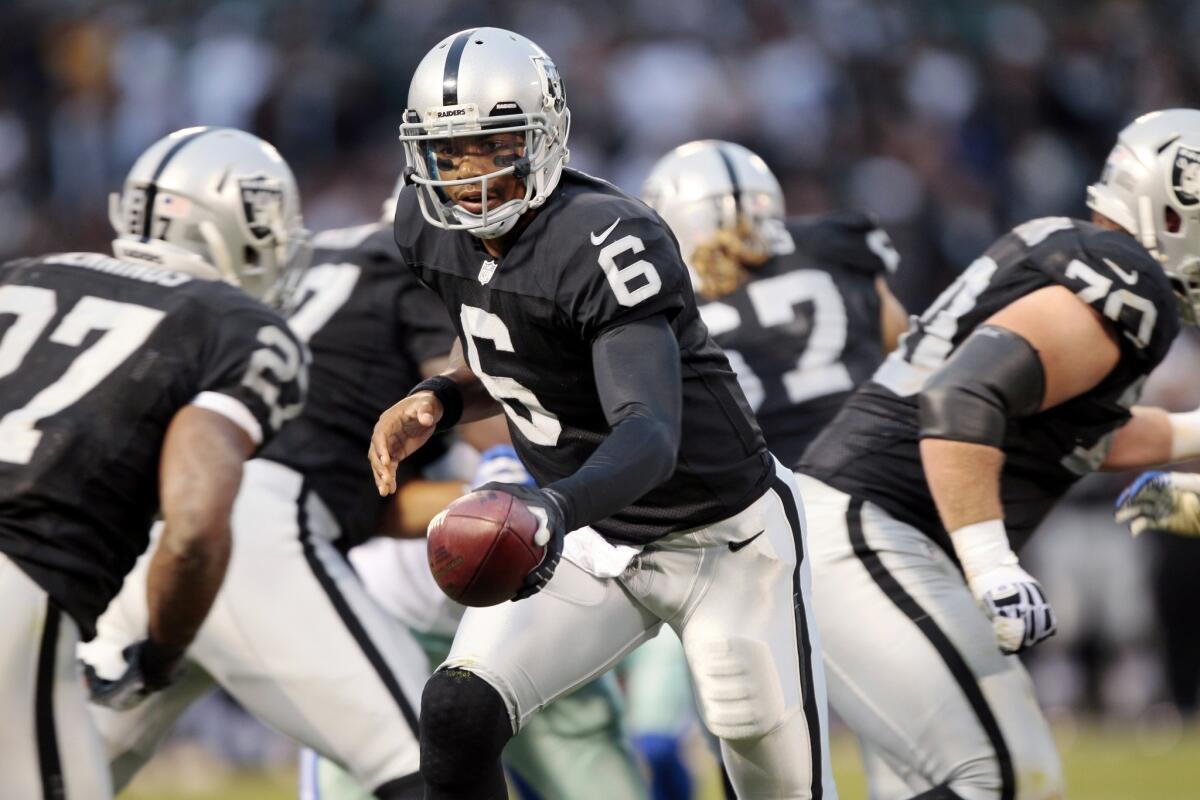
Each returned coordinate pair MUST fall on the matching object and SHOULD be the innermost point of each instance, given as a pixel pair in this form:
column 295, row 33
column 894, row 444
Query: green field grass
column 1101, row 764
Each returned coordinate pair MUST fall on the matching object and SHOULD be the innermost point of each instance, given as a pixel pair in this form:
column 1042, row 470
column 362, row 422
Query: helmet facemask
column 534, row 155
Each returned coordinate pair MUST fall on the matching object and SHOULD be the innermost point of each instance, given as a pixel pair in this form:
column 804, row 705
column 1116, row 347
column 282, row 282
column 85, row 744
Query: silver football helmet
column 481, row 82
column 707, row 186
column 1150, row 186
column 214, row 202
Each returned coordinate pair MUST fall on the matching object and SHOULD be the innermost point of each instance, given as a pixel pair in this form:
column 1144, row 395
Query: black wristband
column 448, row 394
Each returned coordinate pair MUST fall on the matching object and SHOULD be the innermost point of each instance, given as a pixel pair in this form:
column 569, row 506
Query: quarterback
column 575, row 317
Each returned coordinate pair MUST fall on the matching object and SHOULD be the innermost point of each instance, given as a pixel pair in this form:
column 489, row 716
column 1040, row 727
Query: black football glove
column 548, row 506
column 148, row 669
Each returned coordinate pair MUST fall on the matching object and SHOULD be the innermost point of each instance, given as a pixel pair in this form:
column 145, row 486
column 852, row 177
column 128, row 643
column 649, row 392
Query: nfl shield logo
column 1185, row 176
column 487, row 271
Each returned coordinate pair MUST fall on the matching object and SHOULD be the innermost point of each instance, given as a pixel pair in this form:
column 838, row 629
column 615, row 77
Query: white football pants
column 913, row 665
column 292, row 635
column 739, row 602
column 49, row 749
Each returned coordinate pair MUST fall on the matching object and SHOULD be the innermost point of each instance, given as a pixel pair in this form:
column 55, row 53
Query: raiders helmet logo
column 553, row 88
column 1185, row 176
column 262, row 204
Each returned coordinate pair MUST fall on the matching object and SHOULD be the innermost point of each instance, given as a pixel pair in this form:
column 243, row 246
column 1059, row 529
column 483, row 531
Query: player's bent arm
column 1036, row 353
column 893, row 319
column 200, row 471
column 416, row 502
column 637, row 372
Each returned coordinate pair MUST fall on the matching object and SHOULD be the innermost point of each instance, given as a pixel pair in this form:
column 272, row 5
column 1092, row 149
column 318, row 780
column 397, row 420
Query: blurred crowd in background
column 949, row 119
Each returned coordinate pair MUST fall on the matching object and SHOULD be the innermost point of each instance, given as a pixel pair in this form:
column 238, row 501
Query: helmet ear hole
column 1172, row 222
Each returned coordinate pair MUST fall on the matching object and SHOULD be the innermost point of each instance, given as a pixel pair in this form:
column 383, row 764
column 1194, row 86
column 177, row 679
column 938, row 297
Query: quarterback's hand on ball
column 147, row 670
column 501, row 464
column 400, row 432
column 1015, row 603
column 1168, row 501
column 546, row 506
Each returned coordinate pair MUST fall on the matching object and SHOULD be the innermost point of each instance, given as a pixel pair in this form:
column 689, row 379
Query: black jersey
column 804, row 329
column 592, row 258
column 369, row 325
column 96, row 356
column 871, row 448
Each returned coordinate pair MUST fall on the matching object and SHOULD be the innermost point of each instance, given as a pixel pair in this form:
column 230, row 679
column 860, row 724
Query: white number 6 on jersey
column 620, row 277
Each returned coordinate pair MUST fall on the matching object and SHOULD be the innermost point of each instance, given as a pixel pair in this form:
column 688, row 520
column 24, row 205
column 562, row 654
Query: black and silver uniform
column 96, row 356
column 804, row 329
column 592, row 258
column 369, row 325
column 871, row 449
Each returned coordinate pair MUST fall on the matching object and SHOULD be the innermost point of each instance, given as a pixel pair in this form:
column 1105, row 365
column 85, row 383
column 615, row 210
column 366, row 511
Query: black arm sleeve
column 993, row 376
column 636, row 366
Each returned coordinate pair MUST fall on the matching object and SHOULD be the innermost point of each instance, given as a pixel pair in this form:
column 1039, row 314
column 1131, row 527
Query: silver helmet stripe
column 152, row 188
column 453, row 60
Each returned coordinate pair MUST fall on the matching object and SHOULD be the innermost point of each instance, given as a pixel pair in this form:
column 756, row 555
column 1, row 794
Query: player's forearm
column 638, row 455
column 1143, row 441
column 477, row 403
column 636, row 367
column 185, row 574
column 199, row 475
column 1154, row 437
column 964, row 479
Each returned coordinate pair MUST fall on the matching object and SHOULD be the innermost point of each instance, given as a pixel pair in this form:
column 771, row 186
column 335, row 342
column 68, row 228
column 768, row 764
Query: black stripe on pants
column 803, row 642
column 953, row 659
column 351, row 621
column 49, row 764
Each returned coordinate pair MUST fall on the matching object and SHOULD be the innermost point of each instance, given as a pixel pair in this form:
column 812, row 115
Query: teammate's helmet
column 215, row 202
column 1150, row 186
column 481, row 82
column 708, row 191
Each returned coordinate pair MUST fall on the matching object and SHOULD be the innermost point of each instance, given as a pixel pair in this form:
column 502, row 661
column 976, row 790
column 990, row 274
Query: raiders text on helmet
column 482, row 82
column 215, row 202
column 1150, row 186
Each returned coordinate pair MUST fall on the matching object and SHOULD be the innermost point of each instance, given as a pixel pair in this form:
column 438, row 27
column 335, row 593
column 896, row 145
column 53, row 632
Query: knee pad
column 738, row 687
column 464, row 727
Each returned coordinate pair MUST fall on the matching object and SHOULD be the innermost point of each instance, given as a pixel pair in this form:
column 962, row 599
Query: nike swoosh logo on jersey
column 1128, row 277
column 598, row 240
column 735, row 546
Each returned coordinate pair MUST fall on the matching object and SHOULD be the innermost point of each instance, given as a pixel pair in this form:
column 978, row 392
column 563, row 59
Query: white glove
column 1012, row 598
column 1016, row 605
column 1168, row 501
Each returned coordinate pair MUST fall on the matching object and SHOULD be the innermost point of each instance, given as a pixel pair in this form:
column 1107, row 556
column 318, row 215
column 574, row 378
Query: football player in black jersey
column 801, row 307
column 1021, row 377
column 293, row 635
column 576, row 316
column 130, row 385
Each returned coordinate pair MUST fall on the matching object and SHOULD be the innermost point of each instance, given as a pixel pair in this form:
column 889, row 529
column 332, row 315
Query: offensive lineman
column 115, row 372
column 293, row 635
column 1021, row 377
column 577, row 319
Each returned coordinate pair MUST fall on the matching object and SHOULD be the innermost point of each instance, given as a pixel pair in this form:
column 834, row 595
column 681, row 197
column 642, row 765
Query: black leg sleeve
column 464, row 728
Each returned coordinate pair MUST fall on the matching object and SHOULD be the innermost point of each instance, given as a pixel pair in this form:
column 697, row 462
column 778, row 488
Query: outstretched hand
column 400, row 432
